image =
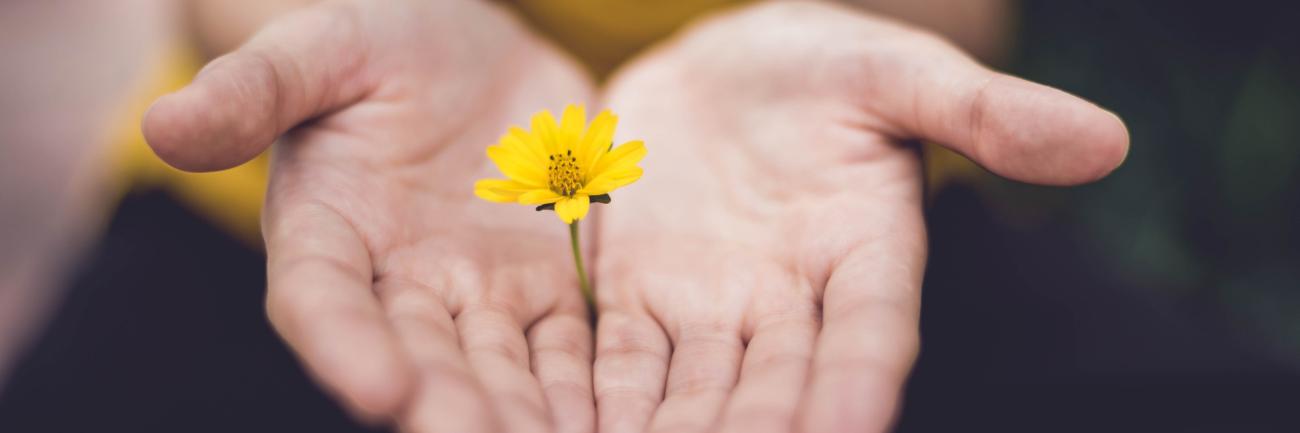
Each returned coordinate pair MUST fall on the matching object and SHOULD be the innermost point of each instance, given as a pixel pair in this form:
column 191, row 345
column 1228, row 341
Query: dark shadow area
column 163, row 330
column 1022, row 332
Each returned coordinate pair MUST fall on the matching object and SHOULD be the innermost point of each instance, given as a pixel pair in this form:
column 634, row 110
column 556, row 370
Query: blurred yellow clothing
column 600, row 33
column 604, row 33
column 231, row 199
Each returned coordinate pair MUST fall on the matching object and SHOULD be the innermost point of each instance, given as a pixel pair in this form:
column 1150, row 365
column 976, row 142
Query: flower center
column 565, row 177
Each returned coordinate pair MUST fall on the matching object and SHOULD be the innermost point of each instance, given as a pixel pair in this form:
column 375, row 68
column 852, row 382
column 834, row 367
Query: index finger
column 869, row 337
column 319, row 299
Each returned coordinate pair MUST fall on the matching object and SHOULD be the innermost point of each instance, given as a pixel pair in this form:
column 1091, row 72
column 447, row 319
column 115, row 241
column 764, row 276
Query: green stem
column 583, row 283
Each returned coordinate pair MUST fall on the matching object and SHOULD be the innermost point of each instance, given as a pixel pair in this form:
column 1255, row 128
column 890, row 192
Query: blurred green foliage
column 1205, row 209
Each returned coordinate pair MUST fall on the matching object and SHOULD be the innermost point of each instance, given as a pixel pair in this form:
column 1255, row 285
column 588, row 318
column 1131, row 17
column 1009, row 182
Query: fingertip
column 367, row 370
column 345, row 346
column 380, row 394
column 160, row 126
column 1113, row 148
column 1038, row 134
column 1097, row 145
column 373, row 384
column 223, row 119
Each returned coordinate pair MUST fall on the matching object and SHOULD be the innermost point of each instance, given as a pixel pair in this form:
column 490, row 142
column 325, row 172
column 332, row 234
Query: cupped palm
column 406, row 296
column 765, row 273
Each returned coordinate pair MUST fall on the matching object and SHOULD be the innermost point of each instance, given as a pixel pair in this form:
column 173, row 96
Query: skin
column 407, row 297
column 764, row 275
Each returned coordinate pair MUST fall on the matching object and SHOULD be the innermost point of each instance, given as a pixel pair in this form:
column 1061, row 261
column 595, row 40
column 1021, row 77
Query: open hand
column 765, row 273
column 405, row 295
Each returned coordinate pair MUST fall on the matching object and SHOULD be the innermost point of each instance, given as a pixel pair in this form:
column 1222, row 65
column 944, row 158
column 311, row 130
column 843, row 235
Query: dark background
column 1165, row 298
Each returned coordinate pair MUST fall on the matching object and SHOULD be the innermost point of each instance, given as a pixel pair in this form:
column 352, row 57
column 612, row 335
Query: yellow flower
column 565, row 166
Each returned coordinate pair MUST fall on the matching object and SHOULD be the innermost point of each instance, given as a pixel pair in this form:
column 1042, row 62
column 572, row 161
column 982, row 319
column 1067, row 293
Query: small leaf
column 548, row 206
column 603, row 198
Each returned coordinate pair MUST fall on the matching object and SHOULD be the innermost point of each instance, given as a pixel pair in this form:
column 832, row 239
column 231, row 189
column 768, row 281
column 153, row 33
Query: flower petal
column 500, row 190
column 611, row 180
column 596, row 142
column 517, row 166
column 622, row 157
column 534, row 154
column 572, row 208
column 571, row 124
column 530, row 141
column 544, row 128
column 539, row 196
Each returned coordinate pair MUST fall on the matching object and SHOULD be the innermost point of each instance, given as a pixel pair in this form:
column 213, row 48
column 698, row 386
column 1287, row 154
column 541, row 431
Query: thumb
column 1015, row 128
column 298, row 67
